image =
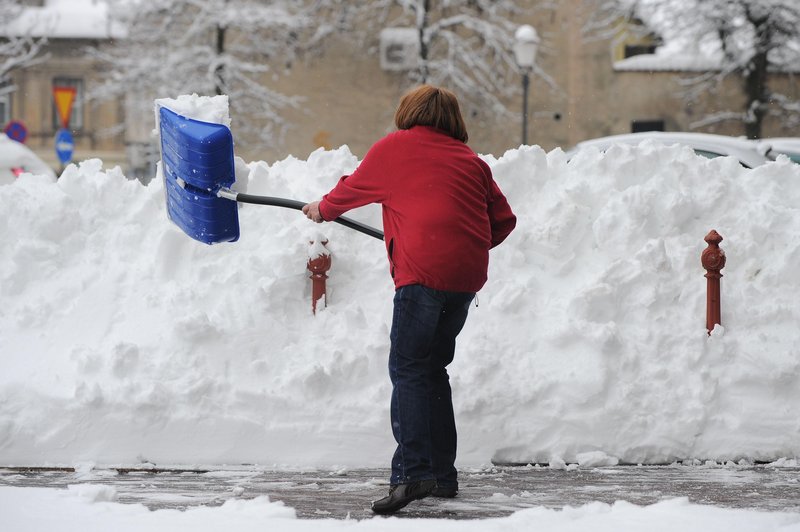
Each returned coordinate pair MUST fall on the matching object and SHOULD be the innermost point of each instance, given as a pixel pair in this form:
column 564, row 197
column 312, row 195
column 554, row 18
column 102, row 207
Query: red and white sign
column 16, row 130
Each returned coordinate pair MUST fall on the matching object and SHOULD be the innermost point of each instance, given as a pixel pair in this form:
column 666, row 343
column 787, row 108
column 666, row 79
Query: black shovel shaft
column 298, row 205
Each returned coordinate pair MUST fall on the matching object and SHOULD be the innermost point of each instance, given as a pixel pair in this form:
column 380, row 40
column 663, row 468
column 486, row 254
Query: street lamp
column 525, row 48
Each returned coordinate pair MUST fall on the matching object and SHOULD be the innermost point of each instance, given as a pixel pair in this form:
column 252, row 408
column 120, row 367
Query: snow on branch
column 751, row 40
column 209, row 47
column 717, row 118
column 463, row 44
column 16, row 51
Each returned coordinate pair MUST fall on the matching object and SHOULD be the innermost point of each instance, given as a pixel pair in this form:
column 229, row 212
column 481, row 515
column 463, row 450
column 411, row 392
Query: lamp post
column 525, row 48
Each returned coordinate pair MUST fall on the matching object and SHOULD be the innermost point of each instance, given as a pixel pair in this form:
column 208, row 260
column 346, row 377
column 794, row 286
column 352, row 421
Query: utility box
column 399, row 49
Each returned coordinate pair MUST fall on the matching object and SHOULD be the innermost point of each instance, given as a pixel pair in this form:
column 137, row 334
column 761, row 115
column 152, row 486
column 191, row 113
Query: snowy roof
column 656, row 62
column 65, row 19
column 682, row 61
column 697, row 49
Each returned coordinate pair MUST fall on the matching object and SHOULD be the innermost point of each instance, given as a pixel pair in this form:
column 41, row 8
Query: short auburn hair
column 432, row 106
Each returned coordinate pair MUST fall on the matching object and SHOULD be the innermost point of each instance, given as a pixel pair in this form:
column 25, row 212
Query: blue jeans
column 424, row 329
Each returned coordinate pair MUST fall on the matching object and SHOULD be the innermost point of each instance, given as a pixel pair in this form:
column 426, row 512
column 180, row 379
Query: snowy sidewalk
column 488, row 492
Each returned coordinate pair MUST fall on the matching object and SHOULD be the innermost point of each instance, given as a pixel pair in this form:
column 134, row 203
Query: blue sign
column 64, row 145
column 16, row 130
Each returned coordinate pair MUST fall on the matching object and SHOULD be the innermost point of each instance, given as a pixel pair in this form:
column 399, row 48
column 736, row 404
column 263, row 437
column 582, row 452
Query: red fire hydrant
column 319, row 262
column 713, row 259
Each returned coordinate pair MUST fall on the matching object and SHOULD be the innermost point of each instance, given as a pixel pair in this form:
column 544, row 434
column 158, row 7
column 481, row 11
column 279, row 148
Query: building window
column 639, row 126
column 76, row 116
column 5, row 102
column 639, row 49
column 399, row 49
column 634, row 37
column 5, row 110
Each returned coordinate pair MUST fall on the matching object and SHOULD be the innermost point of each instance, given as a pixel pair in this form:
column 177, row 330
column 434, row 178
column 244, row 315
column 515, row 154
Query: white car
column 704, row 144
column 16, row 158
column 789, row 146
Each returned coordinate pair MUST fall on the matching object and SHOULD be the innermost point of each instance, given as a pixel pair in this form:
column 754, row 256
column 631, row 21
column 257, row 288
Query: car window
column 708, row 154
column 773, row 155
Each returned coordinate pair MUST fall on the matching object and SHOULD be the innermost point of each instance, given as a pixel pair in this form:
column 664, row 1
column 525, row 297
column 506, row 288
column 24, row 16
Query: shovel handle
column 297, row 205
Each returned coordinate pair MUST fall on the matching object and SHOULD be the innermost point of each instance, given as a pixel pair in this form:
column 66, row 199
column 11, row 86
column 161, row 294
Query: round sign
column 64, row 145
column 16, row 130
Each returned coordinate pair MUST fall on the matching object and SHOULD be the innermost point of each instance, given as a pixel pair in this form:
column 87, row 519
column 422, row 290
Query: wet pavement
column 485, row 492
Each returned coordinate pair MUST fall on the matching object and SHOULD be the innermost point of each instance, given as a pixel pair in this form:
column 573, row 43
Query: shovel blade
column 197, row 160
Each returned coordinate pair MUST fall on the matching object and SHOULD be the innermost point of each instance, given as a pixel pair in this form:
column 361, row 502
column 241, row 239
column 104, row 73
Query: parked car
column 704, row 144
column 16, row 158
column 789, row 146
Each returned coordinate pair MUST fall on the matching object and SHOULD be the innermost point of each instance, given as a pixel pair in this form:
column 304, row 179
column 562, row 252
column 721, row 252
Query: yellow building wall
column 348, row 99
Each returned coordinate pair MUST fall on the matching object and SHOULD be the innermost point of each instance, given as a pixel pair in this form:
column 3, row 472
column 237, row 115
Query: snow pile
column 124, row 341
column 93, row 492
column 605, row 273
column 67, row 513
column 213, row 109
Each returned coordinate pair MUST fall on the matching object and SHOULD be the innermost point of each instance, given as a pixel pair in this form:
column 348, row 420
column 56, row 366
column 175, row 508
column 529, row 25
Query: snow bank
column 124, row 341
column 212, row 109
column 67, row 512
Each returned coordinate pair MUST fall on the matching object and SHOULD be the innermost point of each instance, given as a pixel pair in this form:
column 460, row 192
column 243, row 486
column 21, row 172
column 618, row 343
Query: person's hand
column 311, row 210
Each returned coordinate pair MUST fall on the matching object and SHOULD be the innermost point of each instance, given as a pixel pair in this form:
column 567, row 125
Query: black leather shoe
column 402, row 494
column 445, row 492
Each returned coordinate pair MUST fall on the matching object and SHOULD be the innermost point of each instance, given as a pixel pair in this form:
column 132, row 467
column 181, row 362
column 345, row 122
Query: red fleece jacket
column 442, row 211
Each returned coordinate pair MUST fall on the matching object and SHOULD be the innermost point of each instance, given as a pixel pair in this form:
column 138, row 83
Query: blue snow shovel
column 197, row 163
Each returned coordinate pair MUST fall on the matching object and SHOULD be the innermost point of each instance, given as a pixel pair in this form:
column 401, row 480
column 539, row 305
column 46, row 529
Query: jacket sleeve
column 501, row 218
column 367, row 184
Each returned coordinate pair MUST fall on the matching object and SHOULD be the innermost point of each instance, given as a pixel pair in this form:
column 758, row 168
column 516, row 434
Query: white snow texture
column 124, row 341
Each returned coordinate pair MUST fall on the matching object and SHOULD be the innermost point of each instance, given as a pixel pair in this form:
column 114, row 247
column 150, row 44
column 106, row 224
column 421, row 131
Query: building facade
column 348, row 97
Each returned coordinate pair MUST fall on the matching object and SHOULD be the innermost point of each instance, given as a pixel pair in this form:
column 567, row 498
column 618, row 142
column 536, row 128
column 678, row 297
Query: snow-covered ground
column 125, row 342
column 87, row 508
